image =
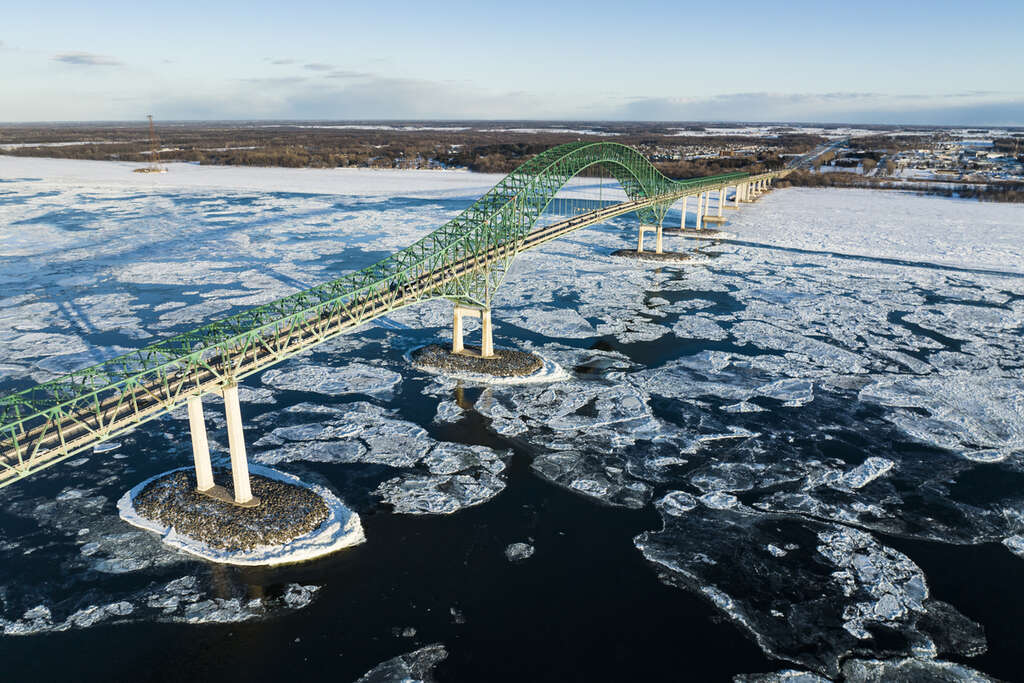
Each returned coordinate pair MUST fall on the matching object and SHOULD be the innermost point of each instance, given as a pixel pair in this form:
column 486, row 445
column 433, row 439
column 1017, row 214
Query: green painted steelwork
column 465, row 260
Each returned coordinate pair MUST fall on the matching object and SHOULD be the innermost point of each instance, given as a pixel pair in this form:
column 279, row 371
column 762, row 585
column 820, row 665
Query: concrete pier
column 717, row 217
column 236, row 444
column 460, row 311
column 200, row 444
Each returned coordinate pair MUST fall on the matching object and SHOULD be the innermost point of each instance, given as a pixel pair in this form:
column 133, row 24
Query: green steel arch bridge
column 465, row 261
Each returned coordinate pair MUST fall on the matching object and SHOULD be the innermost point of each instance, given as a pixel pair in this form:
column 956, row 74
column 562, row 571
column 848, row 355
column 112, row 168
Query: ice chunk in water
column 863, row 474
column 964, row 412
column 564, row 323
column 677, row 503
column 460, row 477
column 359, row 432
column 590, row 475
column 911, row 670
column 786, row 676
column 516, row 552
column 413, row 667
column 1015, row 544
column 826, row 596
column 698, row 327
column 335, row 380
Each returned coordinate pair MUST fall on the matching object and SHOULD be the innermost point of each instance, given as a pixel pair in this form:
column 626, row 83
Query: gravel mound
column 285, row 511
column 505, row 363
column 668, row 256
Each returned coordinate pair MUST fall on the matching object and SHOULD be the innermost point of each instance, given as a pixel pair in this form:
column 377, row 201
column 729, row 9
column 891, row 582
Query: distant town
column 987, row 163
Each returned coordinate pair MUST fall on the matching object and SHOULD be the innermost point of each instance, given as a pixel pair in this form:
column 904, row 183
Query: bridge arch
column 509, row 211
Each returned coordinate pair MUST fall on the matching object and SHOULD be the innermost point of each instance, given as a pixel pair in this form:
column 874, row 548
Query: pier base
column 702, row 234
column 296, row 522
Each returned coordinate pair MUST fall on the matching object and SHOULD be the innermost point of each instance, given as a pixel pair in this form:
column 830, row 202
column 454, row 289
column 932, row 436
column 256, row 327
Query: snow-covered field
column 841, row 370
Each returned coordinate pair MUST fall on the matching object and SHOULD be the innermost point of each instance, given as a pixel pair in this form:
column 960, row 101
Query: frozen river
column 805, row 453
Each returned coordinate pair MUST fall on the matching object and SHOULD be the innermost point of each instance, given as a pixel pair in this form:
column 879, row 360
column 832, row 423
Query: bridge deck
column 30, row 443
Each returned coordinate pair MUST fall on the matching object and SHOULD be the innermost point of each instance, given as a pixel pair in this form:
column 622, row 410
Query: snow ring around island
column 341, row 529
column 550, row 371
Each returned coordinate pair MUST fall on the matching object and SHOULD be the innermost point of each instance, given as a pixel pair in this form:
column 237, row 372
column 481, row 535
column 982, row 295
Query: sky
column 899, row 61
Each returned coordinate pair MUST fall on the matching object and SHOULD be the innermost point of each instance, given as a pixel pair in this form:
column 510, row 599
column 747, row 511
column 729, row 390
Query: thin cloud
column 280, row 61
column 318, row 66
column 365, row 98
column 342, row 73
column 86, row 59
column 273, row 81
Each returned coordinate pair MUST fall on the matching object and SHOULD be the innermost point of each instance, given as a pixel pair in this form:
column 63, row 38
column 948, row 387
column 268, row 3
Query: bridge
column 464, row 261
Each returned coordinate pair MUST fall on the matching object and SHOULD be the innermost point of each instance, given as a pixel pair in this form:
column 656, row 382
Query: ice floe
column 458, row 477
column 412, row 667
column 981, row 417
column 350, row 378
column 517, row 552
column 831, row 593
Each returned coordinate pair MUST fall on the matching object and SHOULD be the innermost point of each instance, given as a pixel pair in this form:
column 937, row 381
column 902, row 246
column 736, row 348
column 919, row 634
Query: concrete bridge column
column 736, row 198
column 200, row 445
column 721, row 200
column 236, row 444
column 658, row 247
column 486, row 331
column 486, row 334
column 682, row 221
column 701, row 207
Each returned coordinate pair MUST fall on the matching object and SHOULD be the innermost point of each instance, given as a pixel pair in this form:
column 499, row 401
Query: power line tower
column 154, row 154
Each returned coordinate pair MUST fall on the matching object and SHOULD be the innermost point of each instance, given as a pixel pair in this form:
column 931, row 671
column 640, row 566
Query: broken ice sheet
column 729, row 377
column 347, row 378
column 412, row 667
column 910, row 669
column 566, row 323
column 979, row 416
column 458, row 477
column 833, row 592
column 351, row 432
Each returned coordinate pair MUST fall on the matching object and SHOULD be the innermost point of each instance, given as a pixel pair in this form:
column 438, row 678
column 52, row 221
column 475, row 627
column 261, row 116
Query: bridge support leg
column 200, row 445
column 457, row 346
column 236, row 444
column 640, row 240
column 721, row 200
column 700, row 210
column 486, row 336
column 658, row 248
column 736, row 197
column 682, row 221
column 486, row 333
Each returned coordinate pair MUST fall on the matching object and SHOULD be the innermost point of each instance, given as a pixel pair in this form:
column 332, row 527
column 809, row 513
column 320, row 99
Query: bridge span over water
column 464, row 261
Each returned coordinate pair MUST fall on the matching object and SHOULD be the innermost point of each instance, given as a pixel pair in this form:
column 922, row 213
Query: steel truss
column 465, row 260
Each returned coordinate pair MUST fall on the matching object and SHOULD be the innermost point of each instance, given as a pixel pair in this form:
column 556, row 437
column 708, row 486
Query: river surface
column 803, row 452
